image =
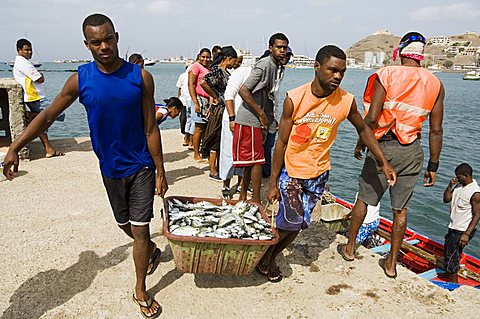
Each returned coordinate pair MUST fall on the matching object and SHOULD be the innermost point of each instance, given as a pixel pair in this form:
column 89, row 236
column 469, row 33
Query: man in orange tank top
column 301, row 159
column 397, row 100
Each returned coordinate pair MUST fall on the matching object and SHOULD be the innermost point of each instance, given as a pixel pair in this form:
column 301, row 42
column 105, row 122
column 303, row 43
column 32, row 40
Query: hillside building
column 441, row 41
column 374, row 59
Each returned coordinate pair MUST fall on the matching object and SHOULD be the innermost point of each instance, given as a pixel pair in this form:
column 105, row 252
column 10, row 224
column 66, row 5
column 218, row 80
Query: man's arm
column 366, row 135
column 447, row 194
column 278, row 157
column 475, row 202
column 40, row 124
column 246, row 94
column 435, row 138
column 154, row 141
column 27, row 68
column 371, row 119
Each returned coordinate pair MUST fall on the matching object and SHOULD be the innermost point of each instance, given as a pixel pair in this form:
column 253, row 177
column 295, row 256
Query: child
column 173, row 106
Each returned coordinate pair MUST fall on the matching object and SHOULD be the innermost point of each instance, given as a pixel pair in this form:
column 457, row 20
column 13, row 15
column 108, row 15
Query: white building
column 471, row 51
column 441, row 41
column 374, row 59
column 382, row 32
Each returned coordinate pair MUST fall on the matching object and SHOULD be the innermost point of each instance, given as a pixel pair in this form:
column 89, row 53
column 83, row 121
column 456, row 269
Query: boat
column 302, row 62
column 422, row 255
column 35, row 64
column 149, row 62
column 472, row 75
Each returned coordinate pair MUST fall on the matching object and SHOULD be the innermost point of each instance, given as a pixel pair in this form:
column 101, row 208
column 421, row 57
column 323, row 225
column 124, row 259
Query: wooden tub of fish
column 215, row 236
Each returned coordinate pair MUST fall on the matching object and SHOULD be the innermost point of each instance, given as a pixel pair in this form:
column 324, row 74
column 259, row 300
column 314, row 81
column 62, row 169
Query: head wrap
column 412, row 47
column 227, row 51
column 289, row 50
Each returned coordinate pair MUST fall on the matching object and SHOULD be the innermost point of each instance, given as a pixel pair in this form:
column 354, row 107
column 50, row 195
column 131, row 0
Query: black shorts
column 453, row 250
column 131, row 197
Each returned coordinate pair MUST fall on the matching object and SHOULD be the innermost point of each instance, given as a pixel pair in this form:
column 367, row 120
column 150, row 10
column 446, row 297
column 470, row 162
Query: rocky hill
column 433, row 54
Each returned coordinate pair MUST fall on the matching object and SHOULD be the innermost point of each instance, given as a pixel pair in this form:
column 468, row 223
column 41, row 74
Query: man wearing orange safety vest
column 397, row 100
column 301, row 160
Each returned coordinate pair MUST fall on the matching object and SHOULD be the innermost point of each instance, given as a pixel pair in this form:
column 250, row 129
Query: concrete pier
column 12, row 114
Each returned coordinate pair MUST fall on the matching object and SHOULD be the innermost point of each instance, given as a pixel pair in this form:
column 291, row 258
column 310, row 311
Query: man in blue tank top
column 118, row 98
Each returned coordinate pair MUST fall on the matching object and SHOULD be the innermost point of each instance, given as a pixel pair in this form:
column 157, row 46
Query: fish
column 205, row 219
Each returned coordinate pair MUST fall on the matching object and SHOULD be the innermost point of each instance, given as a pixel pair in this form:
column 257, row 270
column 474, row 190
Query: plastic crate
column 331, row 216
column 207, row 255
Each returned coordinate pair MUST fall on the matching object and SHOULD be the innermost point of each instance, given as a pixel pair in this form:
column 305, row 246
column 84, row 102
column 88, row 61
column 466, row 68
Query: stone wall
column 16, row 115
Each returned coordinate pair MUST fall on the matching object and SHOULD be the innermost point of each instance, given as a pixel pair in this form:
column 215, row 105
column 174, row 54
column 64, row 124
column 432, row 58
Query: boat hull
column 423, row 255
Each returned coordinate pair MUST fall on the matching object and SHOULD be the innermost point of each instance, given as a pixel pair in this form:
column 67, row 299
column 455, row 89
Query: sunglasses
column 411, row 39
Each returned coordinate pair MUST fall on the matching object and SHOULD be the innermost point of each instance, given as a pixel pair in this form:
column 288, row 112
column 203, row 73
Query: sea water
column 427, row 214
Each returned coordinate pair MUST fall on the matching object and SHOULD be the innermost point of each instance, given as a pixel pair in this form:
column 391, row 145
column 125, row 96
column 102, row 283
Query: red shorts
column 247, row 146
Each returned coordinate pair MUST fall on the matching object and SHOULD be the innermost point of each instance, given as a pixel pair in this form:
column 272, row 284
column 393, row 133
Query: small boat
column 423, row 255
column 35, row 64
column 148, row 62
column 472, row 75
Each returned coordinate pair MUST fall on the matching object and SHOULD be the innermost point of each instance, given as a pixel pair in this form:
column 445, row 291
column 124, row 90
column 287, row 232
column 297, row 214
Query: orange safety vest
column 411, row 93
column 315, row 124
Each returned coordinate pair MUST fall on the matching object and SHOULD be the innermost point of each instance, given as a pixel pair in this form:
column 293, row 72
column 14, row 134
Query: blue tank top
column 114, row 110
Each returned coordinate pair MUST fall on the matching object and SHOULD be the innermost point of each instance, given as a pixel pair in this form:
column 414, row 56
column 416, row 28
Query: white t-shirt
column 182, row 84
column 26, row 74
column 460, row 207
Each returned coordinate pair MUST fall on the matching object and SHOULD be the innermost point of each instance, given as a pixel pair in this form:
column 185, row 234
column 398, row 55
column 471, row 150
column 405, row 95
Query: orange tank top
column 315, row 125
column 411, row 93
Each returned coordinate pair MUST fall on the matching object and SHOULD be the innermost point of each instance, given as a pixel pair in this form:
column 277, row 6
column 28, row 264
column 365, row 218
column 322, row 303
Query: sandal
column 154, row 261
column 342, row 252
column 55, row 154
column 147, row 304
column 275, row 275
column 226, row 193
column 381, row 263
column 261, row 271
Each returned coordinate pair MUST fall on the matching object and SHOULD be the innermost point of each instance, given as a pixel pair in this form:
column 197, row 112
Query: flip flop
column 55, row 154
column 154, row 261
column 342, row 253
column 147, row 304
column 275, row 275
column 260, row 271
column 381, row 263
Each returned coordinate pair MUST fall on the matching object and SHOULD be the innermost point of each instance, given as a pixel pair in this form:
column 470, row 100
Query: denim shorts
column 40, row 105
column 406, row 160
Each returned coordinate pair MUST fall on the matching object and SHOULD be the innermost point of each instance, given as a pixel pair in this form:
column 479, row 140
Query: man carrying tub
column 118, row 98
column 301, row 159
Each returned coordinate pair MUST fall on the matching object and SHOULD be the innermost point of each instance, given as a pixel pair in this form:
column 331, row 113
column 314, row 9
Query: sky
column 168, row 28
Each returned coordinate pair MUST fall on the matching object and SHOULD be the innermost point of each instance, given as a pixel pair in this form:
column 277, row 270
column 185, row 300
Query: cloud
column 159, row 6
column 321, row 3
column 453, row 12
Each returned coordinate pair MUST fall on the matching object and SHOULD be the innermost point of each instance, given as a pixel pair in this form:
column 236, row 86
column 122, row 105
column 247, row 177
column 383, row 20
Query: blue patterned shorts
column 366, row 231
column 298, row 198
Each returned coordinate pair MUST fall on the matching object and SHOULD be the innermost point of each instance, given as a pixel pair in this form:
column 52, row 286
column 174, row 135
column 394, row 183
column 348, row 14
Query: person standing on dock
column 255, row 115
column 308, row 128
column 463, row 193
column 397, row 100
column 32, row 81
column 118, row 98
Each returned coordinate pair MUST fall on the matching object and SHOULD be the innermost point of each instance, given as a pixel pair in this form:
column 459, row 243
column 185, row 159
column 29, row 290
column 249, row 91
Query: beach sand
column 62, row 256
